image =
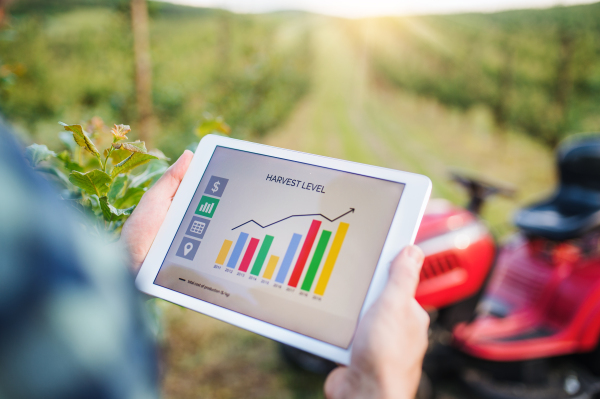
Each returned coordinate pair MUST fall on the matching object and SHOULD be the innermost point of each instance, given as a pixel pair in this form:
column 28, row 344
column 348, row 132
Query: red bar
column 248, row 255
column 304, row 252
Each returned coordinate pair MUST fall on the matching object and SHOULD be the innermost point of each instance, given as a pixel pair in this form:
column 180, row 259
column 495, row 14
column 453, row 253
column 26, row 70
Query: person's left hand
column 143, row 224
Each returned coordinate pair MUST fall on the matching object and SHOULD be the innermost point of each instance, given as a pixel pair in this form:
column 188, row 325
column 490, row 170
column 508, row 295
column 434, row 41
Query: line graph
column 294, row 216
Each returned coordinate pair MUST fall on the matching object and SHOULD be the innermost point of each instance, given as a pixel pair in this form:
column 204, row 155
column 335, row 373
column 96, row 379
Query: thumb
column 169, row 182
column 405, row 271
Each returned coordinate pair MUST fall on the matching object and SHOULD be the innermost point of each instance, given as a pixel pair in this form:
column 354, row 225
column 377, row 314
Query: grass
column 206, row 358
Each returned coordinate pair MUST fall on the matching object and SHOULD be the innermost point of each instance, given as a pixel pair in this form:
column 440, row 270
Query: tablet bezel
column 402, row 232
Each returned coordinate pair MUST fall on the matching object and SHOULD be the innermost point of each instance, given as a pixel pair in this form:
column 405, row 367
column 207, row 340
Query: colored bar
column 262, row 255
column 271, row 267
column 223, row 252
column 334, row 251
column 288, row 258
column 248, row 255
column 304, row 252
column 237, row 250
column 316, row 260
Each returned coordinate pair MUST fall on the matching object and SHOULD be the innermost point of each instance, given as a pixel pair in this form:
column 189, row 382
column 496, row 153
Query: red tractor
column 521, row 321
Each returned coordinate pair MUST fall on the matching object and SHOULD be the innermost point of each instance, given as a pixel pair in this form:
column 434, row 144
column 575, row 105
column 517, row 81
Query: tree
column 143, row 68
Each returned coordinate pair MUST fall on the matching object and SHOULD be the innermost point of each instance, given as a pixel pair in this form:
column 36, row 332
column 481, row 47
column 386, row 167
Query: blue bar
column 287, row 259
column 237, row 250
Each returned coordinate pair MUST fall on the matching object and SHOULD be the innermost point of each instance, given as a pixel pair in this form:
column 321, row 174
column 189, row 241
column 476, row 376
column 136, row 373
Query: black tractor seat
column 574, row 209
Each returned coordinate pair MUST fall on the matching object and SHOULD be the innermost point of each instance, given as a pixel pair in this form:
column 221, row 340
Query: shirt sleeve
column 72, row 324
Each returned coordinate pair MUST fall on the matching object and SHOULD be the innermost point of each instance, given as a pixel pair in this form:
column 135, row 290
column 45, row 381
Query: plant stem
column 106, row 160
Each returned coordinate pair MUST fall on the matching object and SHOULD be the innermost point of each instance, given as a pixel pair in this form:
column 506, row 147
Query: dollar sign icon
column 215, row 187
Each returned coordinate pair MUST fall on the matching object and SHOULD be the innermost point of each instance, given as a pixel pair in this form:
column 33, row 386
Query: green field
column 395, row 92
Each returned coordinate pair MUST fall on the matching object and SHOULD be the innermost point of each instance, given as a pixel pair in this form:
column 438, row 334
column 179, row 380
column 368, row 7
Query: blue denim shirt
column 71, row 321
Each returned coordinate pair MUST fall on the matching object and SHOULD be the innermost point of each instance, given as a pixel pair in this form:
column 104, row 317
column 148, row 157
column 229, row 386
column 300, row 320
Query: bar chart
column 295, row 264
column 260, row 240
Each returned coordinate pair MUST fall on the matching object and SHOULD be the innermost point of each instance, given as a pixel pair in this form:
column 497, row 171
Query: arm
column 390, row 342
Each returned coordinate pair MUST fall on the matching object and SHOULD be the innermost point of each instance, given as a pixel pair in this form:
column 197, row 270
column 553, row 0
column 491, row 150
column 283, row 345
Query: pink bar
column 248, row 255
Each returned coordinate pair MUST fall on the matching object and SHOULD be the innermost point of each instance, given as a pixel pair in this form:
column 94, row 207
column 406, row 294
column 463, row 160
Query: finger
column 335, row 382
column 405, row 270
column 169, row 182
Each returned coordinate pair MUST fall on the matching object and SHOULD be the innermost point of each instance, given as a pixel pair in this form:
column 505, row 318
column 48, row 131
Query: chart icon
column 207, row 206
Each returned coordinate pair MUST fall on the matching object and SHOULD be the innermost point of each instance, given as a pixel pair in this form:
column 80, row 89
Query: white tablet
column 289, row 245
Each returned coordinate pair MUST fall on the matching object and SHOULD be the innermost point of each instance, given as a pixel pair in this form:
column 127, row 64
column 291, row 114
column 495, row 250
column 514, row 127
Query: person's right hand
column 390, row 342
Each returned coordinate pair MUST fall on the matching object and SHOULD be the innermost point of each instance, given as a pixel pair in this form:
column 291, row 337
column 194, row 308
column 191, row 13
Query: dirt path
column 350, row 114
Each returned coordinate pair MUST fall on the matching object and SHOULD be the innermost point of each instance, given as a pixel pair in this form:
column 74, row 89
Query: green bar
column 316, row 260
column 262, row 255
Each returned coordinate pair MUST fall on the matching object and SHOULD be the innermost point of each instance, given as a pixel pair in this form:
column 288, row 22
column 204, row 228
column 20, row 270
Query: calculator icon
column 197, row 227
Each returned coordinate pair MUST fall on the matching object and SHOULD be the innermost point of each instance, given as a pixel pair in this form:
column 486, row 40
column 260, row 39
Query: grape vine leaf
column 57, row 174
column 135, row 146
column 37, row 153
column 131, row 196
column 94, row 182
column 68, row 163
column 212, row 125
column 111, row 213
column 81, row 138
column 135, row 159
column 117, row 187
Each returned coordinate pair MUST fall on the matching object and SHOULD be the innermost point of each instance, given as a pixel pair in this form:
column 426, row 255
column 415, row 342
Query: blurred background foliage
column 75, row 61
column 538, row 71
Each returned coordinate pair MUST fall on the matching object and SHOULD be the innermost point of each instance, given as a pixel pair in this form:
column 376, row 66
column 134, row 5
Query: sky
column 367, row 8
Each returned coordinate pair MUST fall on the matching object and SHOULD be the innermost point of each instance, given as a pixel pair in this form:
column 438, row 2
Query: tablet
column 289, row 245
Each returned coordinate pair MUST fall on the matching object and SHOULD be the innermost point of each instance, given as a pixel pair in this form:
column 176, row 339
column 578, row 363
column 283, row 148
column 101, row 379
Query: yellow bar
column 334, row 251
column 223, row 252
column 271, row 267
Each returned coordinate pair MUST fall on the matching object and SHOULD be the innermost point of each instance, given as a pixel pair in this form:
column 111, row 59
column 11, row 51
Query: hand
column 143, row 224
column 390, row 342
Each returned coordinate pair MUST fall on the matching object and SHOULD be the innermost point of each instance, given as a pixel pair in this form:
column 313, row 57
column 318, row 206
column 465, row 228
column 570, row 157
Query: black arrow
column 294, row 216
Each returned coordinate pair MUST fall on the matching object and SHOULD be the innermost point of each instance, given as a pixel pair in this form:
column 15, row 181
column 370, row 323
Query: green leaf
column 94, row 182
column 111, row 213
column 150, row 175
column 117, row 187
column 82, row 206
column 57, row 174
column 132, row 196
column 67, row 139
column 81, row 138
column 212, row 125
column 37, row 153
column 134, row 160
column 68, row 162
column 136, row 146
column 159, row 154
column 118, row 156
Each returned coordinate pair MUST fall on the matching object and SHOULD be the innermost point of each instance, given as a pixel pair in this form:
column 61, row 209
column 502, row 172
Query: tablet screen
column 285, row 242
